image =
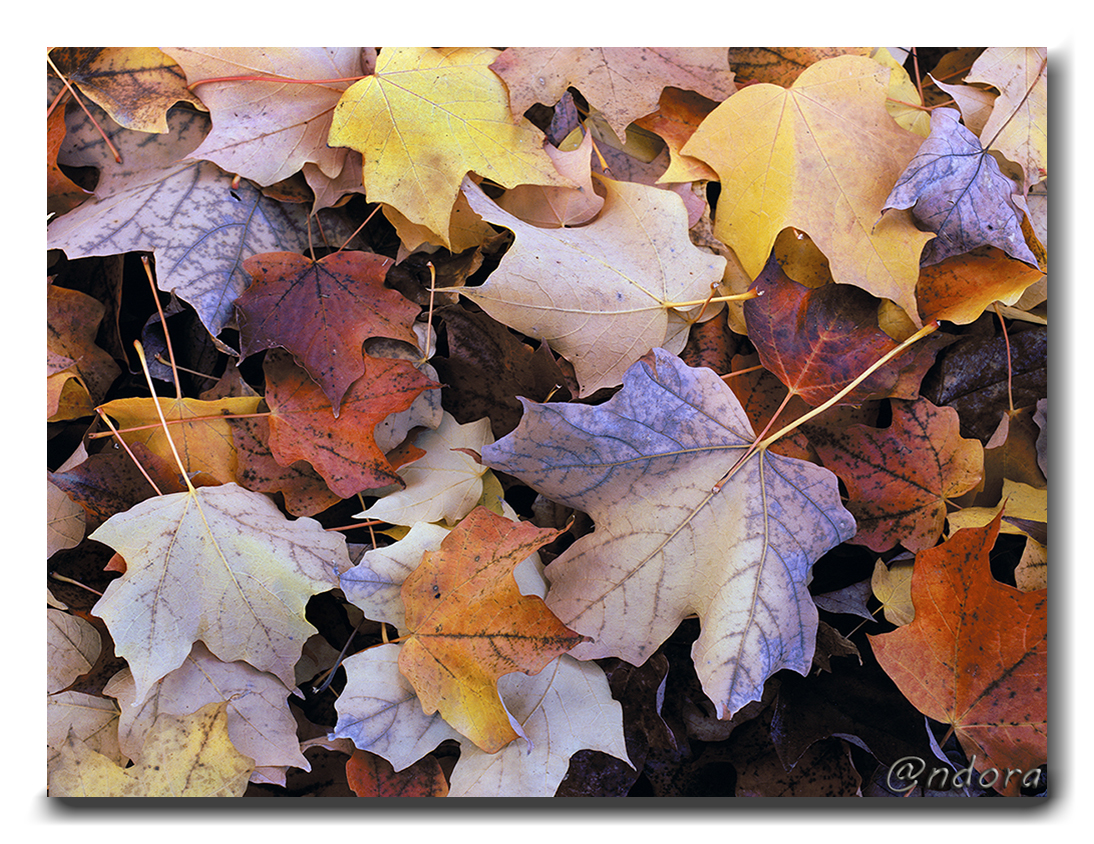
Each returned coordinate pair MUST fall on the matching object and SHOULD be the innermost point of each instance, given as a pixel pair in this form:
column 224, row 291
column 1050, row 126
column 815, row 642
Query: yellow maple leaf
column 184, row 756
column 425, row 119
column 204, row 443
column 818, row 156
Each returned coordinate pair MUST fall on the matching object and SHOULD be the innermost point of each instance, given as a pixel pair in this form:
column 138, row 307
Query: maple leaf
column 304, row 490
column 191, row 215
column 342, row 448
column 72, row 648
column 1018, row 125
column 203, row 440
column 601, row 295
column 218, row 564
column 380, row 712
column 446, row 483
column 72, row 321
column 92, row 720
column 469, row 625
column 374, row 585
column 109, row 482
column 372, row 776
column 668, row 543
column 956, row 189
column 554, row 207
column 783, row 65
column 902, row 501
column 62, row 193
column 260, row 723
column 679, row 114
column 65, row 520
column 976, row 655
column 819, row 156
column 818, row 340
column 623, row 83
column 188, row 756
column 487, row 367
column 135, row 85
column 267, row 130
column 428, row 117
column 566, row 707
column 961, row 288
column 322, row 311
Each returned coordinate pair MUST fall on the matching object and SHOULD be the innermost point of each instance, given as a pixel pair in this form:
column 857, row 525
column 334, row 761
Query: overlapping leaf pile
column 592, row 421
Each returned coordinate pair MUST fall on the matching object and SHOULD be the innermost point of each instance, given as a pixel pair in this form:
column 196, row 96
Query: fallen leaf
column 109, row 482
column 564, row 708
column 1018, row 126
column 304, row 490
column 624, row 83
column 424, row 120
column 260, row 723
column 817, row 341
column 782, row 65
column 902, row 500
column 487, row 367
column 188, row 756
column 960, row 289
column 92, row 720
column 202, row 437
column 819, row 156
column 554, row 207
column 73, row 319
column 72, row 648
column 136, row 85
column 372, row 776
column 191, row 215
column 601, row 295
column 221, row 565
column 445, row 484
column 976, row 656
column 667, row 544
column 679, row 114
column 342, row 449
column 267, row 130
column 469, row 624
column 379, row 710
column 322, row 311
column 892, row 585
column 955, row 188
column 374, row 585
column 62, row 193
column 64, row 520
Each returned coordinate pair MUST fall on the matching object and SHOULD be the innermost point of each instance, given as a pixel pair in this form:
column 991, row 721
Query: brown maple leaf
column 341, row 448
column 471, row 625
column 322, row 311
column 976, row 656
column 899, row 478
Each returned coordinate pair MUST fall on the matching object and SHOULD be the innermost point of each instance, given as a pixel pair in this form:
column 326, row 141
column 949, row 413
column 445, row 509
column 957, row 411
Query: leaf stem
column 283, row 79
column 730, row 297
column 1010, row 364
column 163, row 322
column 159, row 412
column 114, row 431
column 90, row 116
column 102, row 434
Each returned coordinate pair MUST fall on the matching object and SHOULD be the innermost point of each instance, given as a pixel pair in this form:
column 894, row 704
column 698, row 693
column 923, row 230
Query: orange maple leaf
column 471, row 625
column 976, row 655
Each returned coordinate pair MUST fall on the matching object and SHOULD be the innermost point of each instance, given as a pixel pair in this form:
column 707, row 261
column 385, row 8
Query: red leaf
column 976, row 655
column 342, row 449
column 370, row 775
column 322, row 311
